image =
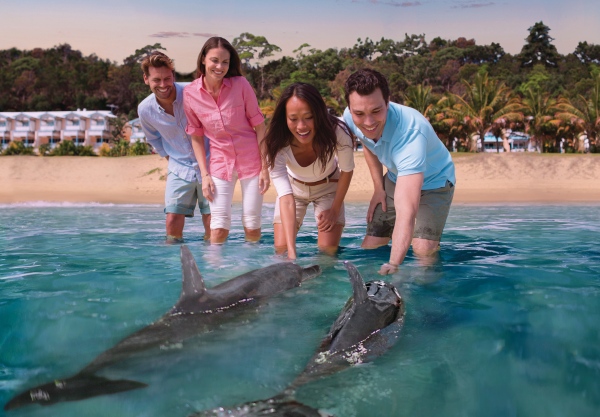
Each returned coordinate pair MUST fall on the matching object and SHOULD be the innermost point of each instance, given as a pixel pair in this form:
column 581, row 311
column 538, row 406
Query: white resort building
column 83, row 127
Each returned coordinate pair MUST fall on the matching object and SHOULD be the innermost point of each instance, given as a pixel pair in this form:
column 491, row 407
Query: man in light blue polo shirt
column 163, row 121
column 410, row 204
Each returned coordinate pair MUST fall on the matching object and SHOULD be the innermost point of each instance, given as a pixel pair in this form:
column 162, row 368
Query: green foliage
column 539, row 48
column 69, row 148
column 44, row 149
column 139, row 148
column 17, row 148
column 61, row 78
column 250, row 47
column 121, row 147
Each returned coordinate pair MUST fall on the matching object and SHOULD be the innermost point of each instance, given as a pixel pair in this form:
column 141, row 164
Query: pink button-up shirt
column 228, row 123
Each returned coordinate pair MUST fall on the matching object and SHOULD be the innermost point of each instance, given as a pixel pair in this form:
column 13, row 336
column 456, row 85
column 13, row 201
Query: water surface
column 505, row 325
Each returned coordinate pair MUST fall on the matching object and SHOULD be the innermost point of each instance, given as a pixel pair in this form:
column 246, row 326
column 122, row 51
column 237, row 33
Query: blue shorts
column 181, row 196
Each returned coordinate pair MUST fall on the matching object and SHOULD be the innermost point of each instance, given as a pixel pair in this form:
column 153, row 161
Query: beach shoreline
column 485, row 178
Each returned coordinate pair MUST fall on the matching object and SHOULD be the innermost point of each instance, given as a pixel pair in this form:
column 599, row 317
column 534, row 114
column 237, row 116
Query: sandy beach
column 481, row 179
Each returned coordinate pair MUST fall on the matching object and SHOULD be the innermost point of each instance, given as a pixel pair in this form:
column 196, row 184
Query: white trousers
column 252, row 200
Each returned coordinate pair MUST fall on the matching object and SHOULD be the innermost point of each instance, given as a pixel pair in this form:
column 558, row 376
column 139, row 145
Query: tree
column 486, row 102
column 539, row 109
column 251, row 47
column 587, row 53
column 125, row 86
column 539, row 47
column 584, row 112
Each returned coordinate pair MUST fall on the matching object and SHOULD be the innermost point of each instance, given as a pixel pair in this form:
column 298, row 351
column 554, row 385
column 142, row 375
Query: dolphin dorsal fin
column 193, row 284
column 358, row 284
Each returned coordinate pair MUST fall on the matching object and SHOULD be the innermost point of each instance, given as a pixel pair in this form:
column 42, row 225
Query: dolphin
column 368, row 325
column 198, row 310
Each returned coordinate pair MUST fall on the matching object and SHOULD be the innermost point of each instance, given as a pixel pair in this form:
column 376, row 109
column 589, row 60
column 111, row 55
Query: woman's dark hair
column 278, row 135
column 365, row 81
column 235, row 64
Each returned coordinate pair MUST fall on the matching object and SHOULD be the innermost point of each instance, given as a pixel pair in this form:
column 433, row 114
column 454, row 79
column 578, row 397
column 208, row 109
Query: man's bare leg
column 174, row 226
column 206, row 223
column 373, row 242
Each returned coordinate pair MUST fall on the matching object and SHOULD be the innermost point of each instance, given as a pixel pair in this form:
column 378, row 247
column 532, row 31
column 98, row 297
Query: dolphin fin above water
column 197, row 311
column 368, row 325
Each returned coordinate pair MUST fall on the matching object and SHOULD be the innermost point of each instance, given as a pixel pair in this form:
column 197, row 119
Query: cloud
column 391, row 3
column 166, row 34
column 473, row 5
column 205, row 35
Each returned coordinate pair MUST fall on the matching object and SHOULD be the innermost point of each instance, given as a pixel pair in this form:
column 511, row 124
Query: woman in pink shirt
column 222, row 105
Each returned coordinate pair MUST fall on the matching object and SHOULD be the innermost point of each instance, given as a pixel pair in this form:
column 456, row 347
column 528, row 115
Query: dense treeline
column 463, row 88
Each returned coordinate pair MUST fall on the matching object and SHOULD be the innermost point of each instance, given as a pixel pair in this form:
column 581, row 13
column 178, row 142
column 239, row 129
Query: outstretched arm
column 406, row 201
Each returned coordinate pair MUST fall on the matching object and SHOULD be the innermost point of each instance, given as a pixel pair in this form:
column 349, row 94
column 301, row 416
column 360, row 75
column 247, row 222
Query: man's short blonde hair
column 157, row 60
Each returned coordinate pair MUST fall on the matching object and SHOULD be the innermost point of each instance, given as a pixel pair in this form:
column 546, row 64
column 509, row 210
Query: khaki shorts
column 431, row 217
column 181, row 196
column 321, row 196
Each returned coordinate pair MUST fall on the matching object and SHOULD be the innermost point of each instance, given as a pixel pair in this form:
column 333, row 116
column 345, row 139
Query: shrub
column 85, row 151
column 64, row 148
column 44, row 149
column 17, row 148
column 104, row 150
column 120, row 148
column 68, row 148
column 139, row 148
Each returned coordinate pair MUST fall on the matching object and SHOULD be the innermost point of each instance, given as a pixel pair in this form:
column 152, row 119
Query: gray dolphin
column 198, row 310
column 367, row 326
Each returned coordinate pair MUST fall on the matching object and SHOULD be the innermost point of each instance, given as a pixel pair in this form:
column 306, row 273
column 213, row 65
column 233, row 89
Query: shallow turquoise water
column 505, row 325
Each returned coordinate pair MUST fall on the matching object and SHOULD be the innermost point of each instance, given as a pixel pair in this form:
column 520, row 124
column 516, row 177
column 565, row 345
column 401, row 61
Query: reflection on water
column 504, row 324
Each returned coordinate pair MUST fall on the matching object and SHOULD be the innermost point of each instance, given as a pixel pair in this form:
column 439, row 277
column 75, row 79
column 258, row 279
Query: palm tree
column 486, row 102
column 539, row 110
column 438, row 110
column 584, row 113
column 419, row 97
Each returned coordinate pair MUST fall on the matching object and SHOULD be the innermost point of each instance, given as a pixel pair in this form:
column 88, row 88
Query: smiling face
column 216, row 63
column 369, row 113
column 162, row 83
column 300, row 120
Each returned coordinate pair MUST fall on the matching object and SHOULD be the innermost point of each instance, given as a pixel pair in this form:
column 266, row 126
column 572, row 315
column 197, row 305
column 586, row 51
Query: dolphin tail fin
column 358, row 284
column 193, row 284
column 78, row 387
column 310, row 272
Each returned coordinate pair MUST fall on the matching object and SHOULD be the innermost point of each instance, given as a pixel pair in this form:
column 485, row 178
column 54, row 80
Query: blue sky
column 114, row 29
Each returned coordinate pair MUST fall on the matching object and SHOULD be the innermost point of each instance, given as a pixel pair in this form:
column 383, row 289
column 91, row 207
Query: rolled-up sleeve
column 253, row 113
column 279, row 175
column 345, row 151
column 194, row 125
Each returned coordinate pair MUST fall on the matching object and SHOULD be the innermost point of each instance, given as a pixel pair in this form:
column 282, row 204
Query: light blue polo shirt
column 409, row 145
column 167, row 135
